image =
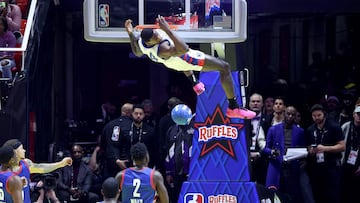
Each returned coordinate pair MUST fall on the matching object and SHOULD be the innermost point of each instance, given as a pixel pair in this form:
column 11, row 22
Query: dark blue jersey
column 5, row 195
column 24, row 172
column 137, row 186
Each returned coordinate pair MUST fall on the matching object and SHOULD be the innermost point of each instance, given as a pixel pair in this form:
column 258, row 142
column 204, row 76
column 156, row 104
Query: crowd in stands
column 11, row 31
column 328, row 173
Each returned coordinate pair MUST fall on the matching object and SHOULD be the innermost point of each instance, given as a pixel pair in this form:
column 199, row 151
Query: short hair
column 280, row 98
column 14, row 143
column 138, row 106
column 110, row 187
column 317, row 107
column 6, row 153
column 146, row 34
column 138, row 151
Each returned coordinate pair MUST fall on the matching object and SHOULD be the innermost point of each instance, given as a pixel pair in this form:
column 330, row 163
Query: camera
column 49, row 180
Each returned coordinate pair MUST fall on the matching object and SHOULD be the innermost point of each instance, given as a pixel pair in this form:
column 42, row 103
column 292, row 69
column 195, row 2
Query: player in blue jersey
column 164, row 46
column 141, row 184
column 11, row 185
column 26, row 166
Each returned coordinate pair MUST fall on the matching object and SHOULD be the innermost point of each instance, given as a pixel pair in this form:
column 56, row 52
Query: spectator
column 7, row 40
column 75, row 181
column 269, row 104
column 333, row 108
column 151, row 117
column 325, row 143
column 351, row 163
column 12, row 13
column 139, row 132
column 283, row 175
column 346, row 112
column 115, row 159
column 278, row 116
column 257, row 140
column 177, row 162
column 164, row 124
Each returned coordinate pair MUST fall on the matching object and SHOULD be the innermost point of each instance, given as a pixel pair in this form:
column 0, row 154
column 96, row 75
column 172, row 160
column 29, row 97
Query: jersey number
column 136, row 184
column 2, row 198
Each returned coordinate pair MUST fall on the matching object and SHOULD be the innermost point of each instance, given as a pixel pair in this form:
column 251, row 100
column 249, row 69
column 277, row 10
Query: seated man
column 76, row 180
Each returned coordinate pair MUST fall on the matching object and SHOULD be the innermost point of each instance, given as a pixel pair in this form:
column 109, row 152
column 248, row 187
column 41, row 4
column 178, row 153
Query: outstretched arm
column 133, row 39
column 179, row 48
column 160, row 187
column 48, row 167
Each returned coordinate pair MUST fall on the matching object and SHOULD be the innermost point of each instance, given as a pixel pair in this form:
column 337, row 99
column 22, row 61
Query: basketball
column 181, row 114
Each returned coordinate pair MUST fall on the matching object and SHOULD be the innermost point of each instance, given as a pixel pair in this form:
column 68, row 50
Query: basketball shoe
column 240, row 112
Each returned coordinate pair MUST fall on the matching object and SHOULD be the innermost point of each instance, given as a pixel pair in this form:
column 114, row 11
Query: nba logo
column 194, row 198
column 104, row 15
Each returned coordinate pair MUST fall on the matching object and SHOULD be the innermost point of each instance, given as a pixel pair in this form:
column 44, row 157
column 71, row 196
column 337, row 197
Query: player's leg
column 216, row 64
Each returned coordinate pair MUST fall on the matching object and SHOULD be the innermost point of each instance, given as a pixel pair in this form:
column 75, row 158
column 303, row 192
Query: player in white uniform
column 164, row 46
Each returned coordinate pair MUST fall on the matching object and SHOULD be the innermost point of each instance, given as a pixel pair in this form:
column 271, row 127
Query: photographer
column 44, row 188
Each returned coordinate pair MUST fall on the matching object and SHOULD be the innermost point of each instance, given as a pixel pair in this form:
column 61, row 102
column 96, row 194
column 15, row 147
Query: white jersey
column 191, row 60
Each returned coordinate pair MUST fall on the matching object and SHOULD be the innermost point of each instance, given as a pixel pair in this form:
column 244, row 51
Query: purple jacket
column 275, row 140
column 7, row 40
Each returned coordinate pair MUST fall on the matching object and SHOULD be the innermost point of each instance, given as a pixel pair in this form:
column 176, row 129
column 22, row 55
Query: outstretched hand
column 67, row 161
column 128, row 26
column 162, row 23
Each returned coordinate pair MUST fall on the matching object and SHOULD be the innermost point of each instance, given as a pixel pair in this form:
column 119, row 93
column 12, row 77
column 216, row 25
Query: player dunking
column 140, row 183
column 164, row 46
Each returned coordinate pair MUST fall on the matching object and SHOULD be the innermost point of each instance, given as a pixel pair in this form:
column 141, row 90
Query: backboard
column 197, row 21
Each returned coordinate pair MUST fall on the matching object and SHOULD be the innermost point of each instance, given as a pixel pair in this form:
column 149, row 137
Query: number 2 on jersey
column 136, row 184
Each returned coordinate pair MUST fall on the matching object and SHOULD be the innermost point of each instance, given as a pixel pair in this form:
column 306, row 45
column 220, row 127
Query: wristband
column 199, row 88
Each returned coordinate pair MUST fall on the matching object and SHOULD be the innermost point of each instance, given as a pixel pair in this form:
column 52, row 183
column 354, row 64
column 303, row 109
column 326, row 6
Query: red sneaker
column 240, row 113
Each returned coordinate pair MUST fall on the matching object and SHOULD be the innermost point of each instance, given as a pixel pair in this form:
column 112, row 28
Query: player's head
column 17, row 146
column 110, row 188
column 147, row 34
column 150, row 37
column 7, row 156
column 139, row 154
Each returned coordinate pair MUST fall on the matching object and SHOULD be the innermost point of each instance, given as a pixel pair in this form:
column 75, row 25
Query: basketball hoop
column 154, row 26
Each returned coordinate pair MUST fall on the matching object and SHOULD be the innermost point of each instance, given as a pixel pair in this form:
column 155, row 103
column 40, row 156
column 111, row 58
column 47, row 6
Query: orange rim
column 154, row 26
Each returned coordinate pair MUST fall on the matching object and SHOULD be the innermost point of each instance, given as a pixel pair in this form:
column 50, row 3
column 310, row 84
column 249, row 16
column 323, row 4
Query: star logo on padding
column 218, row 118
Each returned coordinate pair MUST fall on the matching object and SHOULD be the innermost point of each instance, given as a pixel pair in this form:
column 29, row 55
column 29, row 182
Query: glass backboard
column 196, row 21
